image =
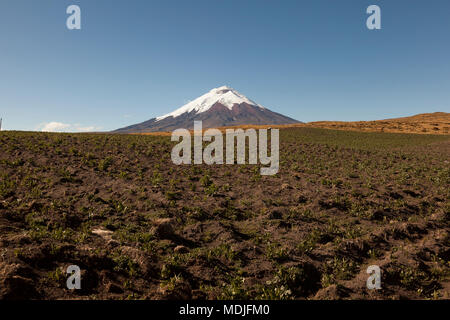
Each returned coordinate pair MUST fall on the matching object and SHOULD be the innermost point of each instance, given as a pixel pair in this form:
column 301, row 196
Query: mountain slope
column 219, row 107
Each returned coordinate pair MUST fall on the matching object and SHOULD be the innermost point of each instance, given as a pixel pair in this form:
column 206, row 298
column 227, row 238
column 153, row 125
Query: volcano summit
column 219, row 107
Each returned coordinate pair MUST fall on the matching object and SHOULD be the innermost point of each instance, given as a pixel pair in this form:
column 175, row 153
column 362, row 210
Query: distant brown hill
column 425, row 123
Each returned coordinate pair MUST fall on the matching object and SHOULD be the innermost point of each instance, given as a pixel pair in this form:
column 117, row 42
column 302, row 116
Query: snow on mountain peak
column 224, row 95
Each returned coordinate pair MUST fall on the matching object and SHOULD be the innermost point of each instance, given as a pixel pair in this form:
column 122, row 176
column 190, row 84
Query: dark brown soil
column 140, row 227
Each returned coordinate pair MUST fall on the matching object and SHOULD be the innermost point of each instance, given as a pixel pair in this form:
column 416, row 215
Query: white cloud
column 55, row 126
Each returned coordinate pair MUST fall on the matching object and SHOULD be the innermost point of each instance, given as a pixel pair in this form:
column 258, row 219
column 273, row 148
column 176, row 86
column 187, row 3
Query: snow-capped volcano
column 224, row 95
column 219, row 107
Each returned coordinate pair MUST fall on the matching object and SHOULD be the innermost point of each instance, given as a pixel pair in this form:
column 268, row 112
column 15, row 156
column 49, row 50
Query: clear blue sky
column 137, row 59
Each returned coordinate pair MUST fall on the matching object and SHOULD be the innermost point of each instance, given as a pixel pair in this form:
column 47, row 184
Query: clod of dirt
column 71, row 220
column 181, row 249
column 103, row 233
column 14, row 286
column 142, row 259
column 275, row 214
column 163, row 228
column 35, row 206
column 181, row 291
column 113, row 288
column 113, row 243
column 285, row 186
column 332, row 292
column 18, row 288
column 395, row 195
column 302, row 199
